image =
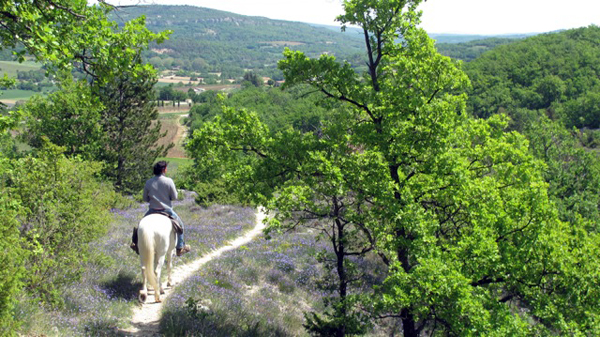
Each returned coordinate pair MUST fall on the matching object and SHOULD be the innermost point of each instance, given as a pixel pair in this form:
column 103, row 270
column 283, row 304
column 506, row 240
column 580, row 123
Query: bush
column 64, row 208
column 11, row 257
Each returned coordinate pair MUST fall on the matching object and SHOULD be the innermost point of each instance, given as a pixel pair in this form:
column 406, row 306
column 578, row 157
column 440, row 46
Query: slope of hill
column 207, row 40
column 469, row 47
column 558, row 71
column 468, row 51
column 550, row 86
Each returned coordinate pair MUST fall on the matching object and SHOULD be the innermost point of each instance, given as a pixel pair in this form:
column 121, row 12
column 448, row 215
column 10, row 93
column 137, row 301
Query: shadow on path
column 125, row 286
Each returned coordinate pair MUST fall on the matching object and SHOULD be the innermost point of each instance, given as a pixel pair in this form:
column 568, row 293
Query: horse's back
column 155, row 229
column 156, row 223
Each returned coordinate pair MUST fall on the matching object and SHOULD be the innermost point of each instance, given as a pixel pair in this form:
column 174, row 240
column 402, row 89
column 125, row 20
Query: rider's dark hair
column 159, row 167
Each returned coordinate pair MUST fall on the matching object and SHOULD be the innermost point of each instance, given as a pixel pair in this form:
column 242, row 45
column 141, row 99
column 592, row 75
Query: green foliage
column 457, row 208
column 572, row 172
column 468, row 51
column 550, row 71
column 131, row 133
column 278, row 109
column 253, row 78
column 69, row 118
column 12, row 254
column 64, row 208
column 545, row 83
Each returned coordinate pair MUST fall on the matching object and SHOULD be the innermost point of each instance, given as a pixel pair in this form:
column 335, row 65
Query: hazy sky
column 439, row 16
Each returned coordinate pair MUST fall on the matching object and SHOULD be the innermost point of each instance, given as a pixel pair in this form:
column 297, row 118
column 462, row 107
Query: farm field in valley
column 172, row 124
column 12, row 67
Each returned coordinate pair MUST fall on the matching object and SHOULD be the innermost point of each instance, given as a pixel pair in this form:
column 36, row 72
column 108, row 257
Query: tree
column 199, row 64
column 456, row 208
column 179, row 96
column 253, row 78
column 166, row 93
column 84, row 37
column 12, row 256
column 129, row 121
column 69, row 117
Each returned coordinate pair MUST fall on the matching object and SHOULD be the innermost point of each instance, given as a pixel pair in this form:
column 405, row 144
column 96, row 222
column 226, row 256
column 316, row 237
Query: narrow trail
column 146, row 318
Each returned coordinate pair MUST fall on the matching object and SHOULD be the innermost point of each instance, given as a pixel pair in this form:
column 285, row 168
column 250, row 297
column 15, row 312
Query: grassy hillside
column 210, row 40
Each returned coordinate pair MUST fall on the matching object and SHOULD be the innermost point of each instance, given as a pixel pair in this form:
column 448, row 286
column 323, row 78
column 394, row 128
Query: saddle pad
column 176, row 226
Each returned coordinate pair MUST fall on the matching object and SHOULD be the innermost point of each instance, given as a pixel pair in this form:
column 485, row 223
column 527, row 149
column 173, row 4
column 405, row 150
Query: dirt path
column 177, row 151
column 145, row 319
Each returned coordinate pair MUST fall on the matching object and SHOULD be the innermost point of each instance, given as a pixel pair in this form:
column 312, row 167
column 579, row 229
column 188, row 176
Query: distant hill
column 468, row 51
column 466, row 47
column 557, row 72
column 463, row 38
column 207, row 40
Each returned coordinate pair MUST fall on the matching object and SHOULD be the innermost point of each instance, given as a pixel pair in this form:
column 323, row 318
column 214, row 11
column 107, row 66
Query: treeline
column 468, row 51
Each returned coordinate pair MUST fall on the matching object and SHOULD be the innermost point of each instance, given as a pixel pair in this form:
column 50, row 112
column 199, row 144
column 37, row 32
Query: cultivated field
column 176, row 79
column 10, row 67
column 284, row 43
column 172, row 124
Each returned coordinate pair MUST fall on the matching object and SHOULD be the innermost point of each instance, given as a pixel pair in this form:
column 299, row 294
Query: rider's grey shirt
column 160, row 189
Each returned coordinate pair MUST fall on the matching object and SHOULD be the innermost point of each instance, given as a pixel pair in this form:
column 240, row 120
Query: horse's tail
column 147, row 252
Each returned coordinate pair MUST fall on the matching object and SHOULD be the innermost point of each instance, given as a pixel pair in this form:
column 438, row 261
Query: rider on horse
column 159, row 192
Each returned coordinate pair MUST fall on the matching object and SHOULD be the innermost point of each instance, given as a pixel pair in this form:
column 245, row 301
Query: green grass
column 174, row 164
column 10, row 67
column 16, row 94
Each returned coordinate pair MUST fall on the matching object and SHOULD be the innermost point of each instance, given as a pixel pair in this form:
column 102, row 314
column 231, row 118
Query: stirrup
column 135, row 248
column 185, row 249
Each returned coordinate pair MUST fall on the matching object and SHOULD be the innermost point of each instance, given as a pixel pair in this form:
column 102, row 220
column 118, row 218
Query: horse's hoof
column 158, row 300
column 143, row 298
column 169, row 284
column 162, row 292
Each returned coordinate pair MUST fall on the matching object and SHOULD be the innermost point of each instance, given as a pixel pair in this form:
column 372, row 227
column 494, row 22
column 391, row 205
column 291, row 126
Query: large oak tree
column 456, row 208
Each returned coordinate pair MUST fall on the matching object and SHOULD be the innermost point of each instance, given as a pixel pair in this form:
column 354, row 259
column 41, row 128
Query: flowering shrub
column 260, row 289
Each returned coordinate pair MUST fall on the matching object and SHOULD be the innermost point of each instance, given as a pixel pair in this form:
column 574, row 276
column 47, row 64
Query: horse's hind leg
column 158, row 292
column 169, row 268
column 144, row 292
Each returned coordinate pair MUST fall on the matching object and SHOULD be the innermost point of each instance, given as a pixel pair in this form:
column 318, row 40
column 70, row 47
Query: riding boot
column 181, row 247
column 134, row 241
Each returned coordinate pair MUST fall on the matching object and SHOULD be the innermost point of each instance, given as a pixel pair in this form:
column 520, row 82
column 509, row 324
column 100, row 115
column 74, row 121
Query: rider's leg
column 180, row 242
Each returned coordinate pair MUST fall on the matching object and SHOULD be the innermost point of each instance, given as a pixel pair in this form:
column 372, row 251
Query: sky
column 483, row 17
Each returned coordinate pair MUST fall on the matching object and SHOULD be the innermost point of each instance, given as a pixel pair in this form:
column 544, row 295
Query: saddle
column 176, row 226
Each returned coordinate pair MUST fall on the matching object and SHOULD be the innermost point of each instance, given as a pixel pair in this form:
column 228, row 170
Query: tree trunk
column 408, row 324
column 343, row 277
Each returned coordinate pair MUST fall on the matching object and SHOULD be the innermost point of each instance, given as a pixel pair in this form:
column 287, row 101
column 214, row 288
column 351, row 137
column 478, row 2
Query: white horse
column 156, row 241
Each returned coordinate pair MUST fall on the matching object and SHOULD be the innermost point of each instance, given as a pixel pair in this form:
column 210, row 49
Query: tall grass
column 103, row 300
column 261, row 289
